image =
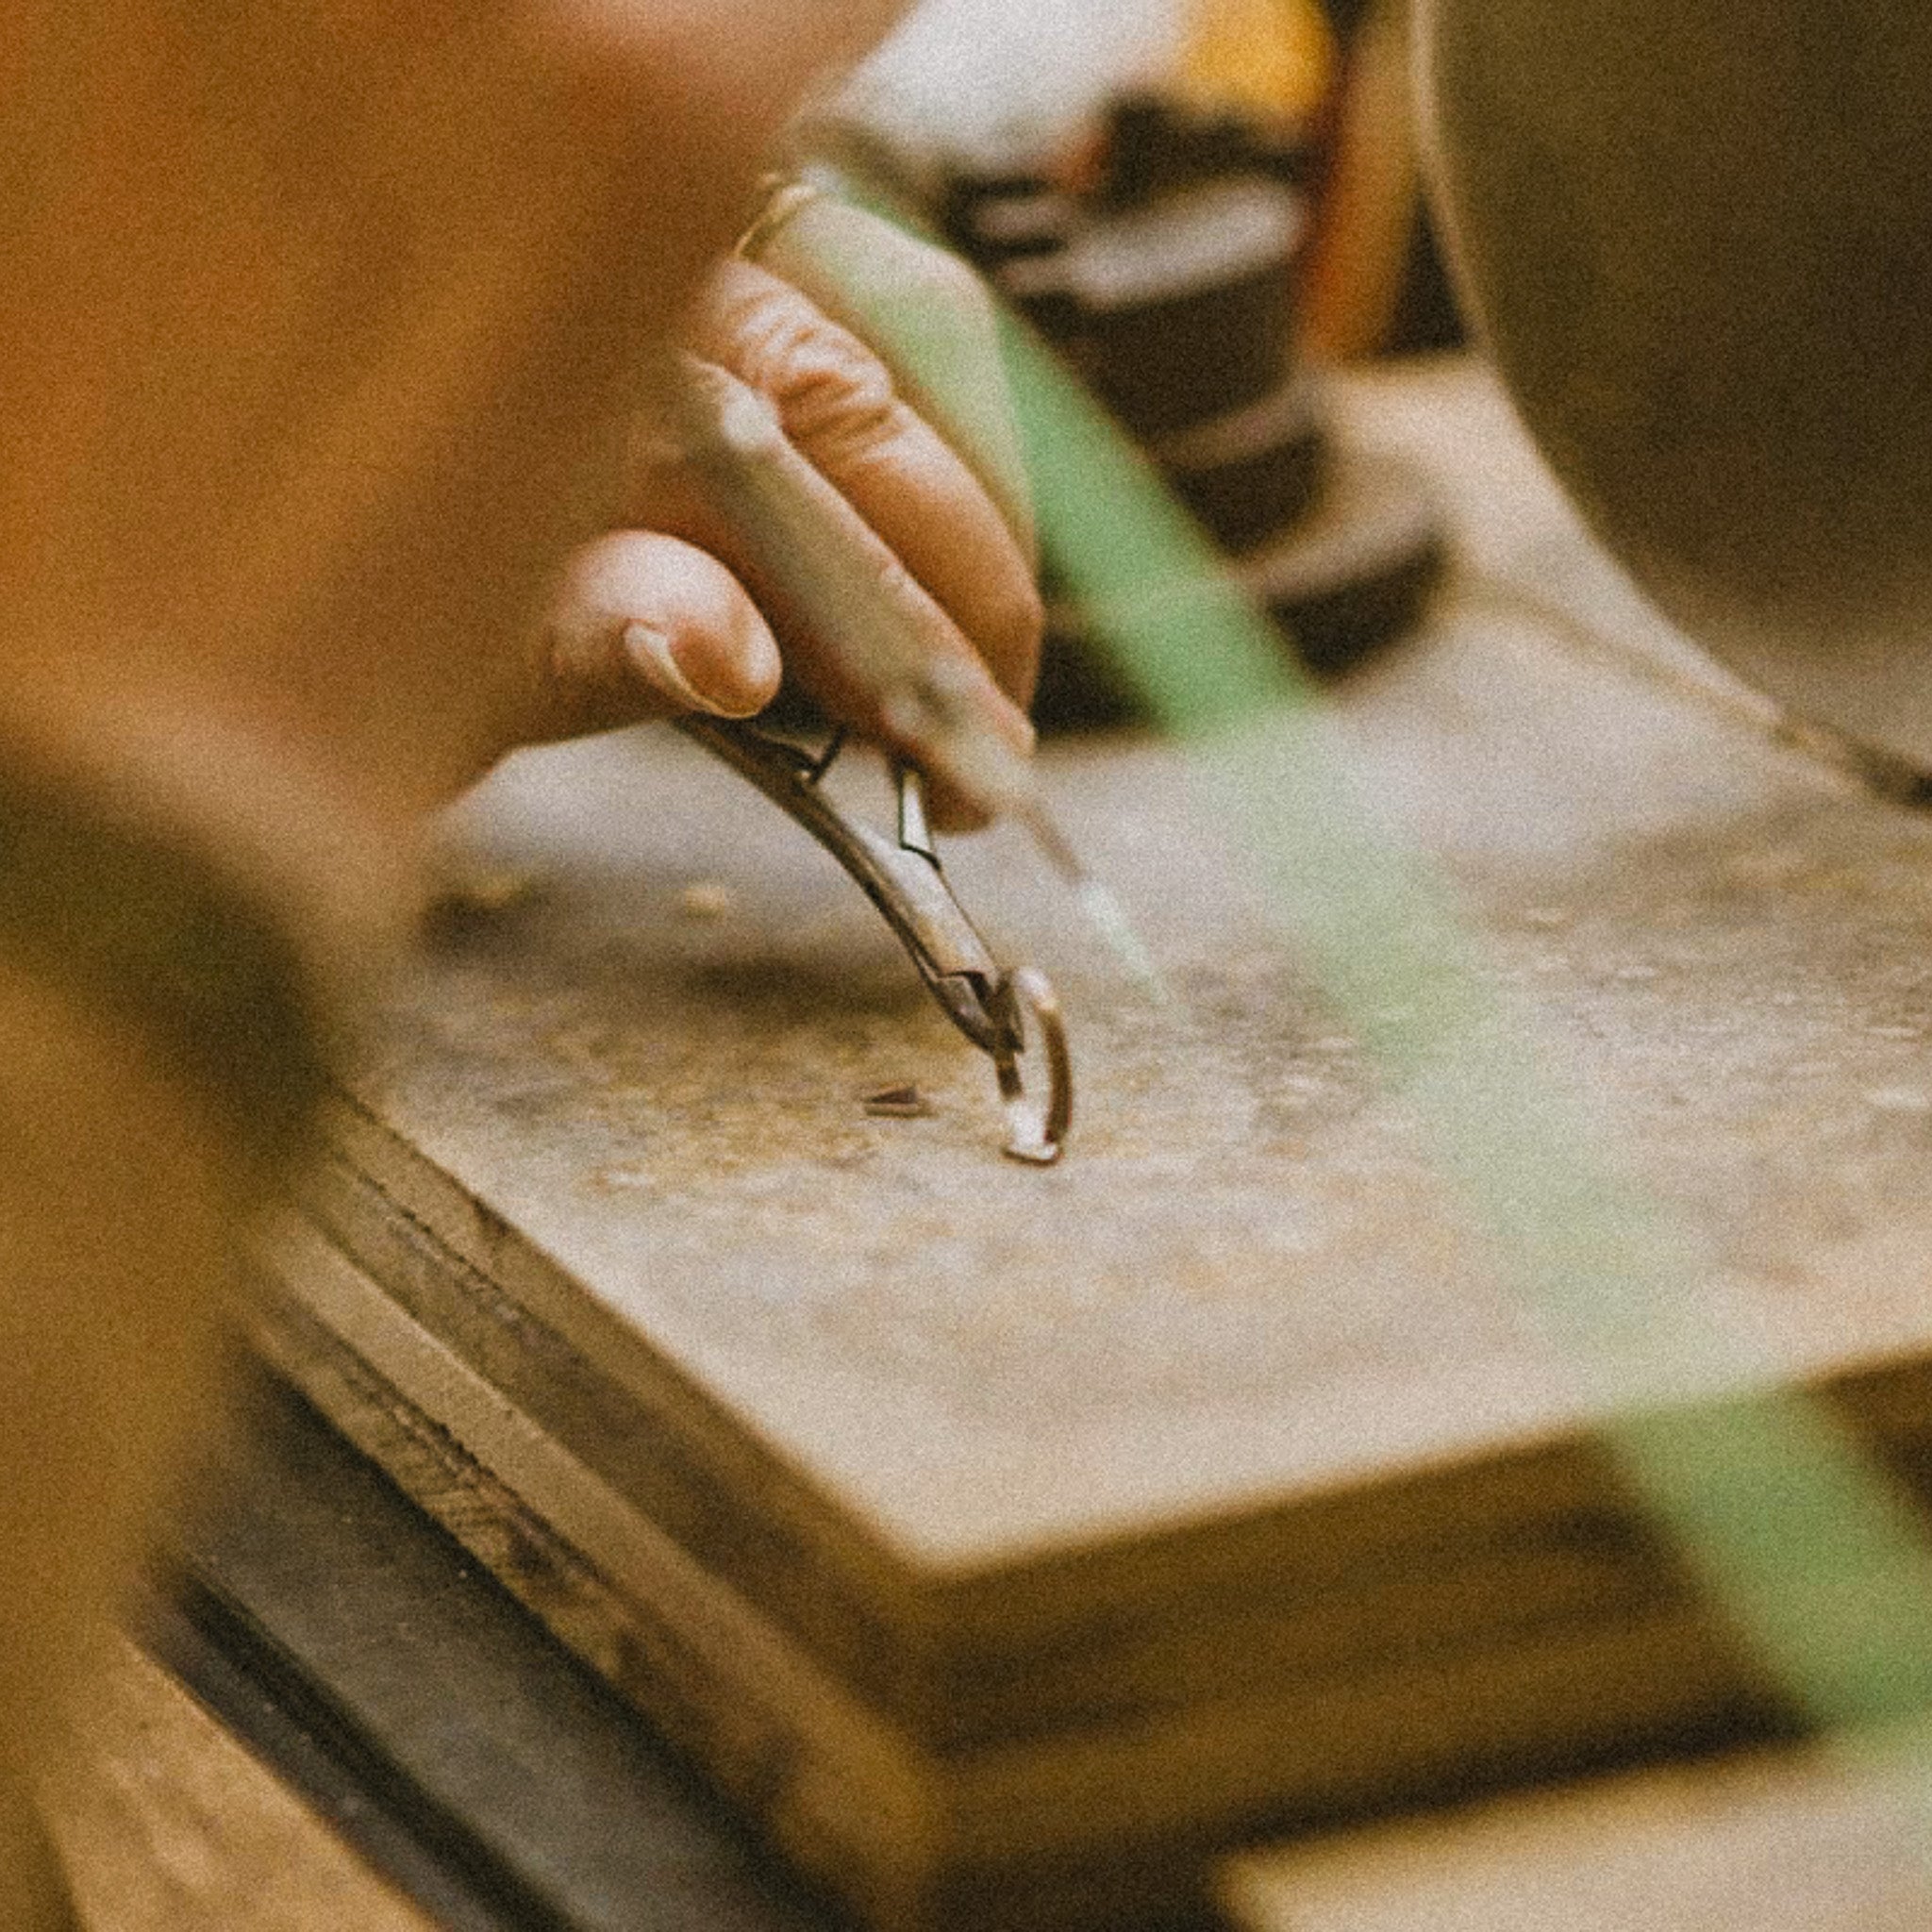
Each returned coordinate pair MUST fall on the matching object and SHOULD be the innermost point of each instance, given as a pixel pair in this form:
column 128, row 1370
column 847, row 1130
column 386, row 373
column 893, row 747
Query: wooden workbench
column 1785, row 1839
column 1004, row 1540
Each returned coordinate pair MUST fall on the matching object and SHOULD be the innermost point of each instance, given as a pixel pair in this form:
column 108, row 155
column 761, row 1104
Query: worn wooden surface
column 425, row 1715
column 1059, row 1516
column 167, row 1824
column 1768, row 1841
column 666, row 1110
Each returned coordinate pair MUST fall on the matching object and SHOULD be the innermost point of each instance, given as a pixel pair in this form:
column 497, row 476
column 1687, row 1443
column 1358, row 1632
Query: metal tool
column 833, row 569
column 993, row 1006
column 830, row 566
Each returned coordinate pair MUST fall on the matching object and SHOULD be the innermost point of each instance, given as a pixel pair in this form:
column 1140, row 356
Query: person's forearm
column 117, row 1199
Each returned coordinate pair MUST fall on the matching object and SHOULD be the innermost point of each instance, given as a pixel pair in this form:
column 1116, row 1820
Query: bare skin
column 317, row 492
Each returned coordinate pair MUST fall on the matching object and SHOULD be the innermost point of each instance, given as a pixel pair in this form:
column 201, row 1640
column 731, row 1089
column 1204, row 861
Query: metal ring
column 782, row 198
column 1036, row 1130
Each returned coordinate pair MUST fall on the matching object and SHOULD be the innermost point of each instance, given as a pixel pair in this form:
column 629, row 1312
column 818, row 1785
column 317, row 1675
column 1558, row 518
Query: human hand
column 322, row 328
column 651, row 621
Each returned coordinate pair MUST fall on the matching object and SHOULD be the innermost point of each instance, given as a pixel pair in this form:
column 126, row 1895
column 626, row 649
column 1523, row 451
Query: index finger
column 840, row 407
column 928, row 318
column 869, row 640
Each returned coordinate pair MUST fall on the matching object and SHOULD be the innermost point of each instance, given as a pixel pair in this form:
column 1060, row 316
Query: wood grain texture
column 664, row 1111
column 1770, row 1841
column 167, row 1824
column 834, row 1785
column 1213, row 1475
column 386, row 1675
column 1020, row 1824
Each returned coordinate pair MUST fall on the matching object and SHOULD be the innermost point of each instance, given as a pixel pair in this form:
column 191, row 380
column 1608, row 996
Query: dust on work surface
column 1244, row 1280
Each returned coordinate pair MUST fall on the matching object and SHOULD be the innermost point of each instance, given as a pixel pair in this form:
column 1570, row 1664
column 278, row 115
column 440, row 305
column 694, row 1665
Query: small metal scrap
column 468, row 894
column 905, row 1102
column 480, row 885
column 993, row 1006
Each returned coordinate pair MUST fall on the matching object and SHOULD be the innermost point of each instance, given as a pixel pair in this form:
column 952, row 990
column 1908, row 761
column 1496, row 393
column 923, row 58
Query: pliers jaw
column 904, row 879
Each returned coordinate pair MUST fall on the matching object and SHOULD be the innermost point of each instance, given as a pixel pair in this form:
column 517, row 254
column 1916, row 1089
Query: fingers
column 838, row 406
column 811, row 559
column 908, row 509
column 931, row 320
column 646, row 626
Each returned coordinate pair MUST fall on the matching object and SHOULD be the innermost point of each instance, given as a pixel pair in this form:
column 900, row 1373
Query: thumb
column 648, row 627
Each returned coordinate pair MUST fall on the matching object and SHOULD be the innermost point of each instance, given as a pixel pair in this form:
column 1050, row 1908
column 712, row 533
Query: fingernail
column 655, row 655
column 1012, row 724
column 907, row 715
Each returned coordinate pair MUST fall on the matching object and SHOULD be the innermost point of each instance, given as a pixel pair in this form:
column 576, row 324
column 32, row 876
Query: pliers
column 902, row 877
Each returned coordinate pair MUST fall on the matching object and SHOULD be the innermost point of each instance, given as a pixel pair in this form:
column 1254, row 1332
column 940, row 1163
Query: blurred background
column 991, row 87
column 1204, row 207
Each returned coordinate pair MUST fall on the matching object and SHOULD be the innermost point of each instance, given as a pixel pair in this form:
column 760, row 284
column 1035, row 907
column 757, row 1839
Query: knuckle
column 844, row 426
column 834, row 394
column 896, row 580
